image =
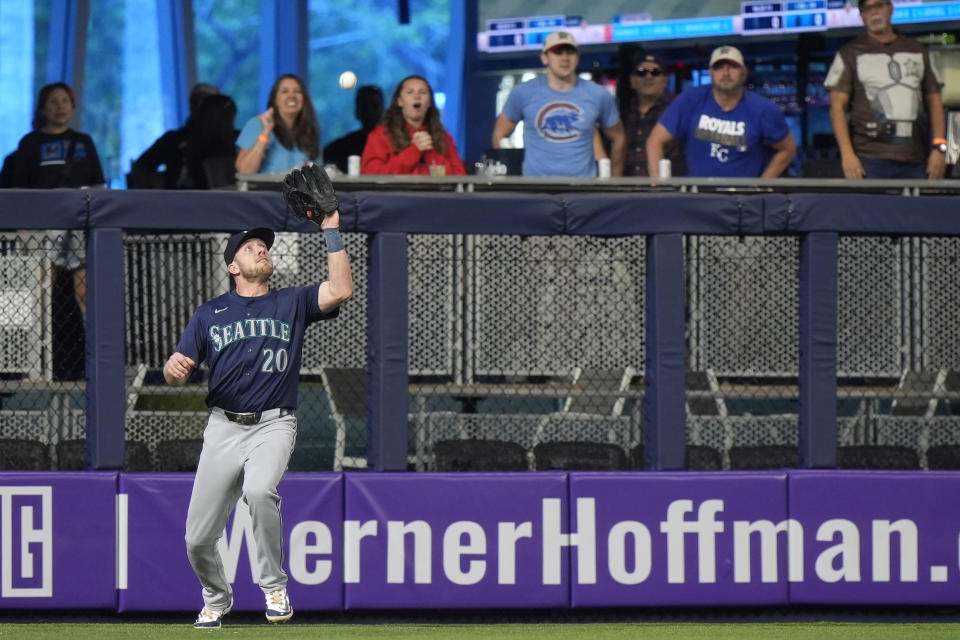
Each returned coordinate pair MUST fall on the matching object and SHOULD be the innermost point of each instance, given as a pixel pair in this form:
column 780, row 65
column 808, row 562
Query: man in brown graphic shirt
column 892, row 92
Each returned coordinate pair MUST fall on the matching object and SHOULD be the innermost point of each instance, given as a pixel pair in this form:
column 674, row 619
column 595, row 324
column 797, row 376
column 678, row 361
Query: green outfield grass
column 598, row 631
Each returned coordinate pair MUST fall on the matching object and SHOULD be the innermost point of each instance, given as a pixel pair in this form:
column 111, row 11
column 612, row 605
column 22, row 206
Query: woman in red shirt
column 411, row 138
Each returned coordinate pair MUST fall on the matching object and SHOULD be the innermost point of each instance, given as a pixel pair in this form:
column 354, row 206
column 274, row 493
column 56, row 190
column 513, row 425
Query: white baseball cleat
column 278, row 606
column 209, row 618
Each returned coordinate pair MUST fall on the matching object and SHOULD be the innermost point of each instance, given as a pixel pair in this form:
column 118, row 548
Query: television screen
column 522, row 25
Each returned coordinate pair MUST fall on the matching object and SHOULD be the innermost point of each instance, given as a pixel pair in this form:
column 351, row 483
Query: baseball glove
column 309, row 194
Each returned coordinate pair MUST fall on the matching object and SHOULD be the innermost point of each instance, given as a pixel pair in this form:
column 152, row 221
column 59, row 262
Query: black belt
column 255, row 416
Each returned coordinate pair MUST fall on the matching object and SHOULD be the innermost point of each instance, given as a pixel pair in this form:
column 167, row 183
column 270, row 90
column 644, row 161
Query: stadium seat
column 180, row 454
column 597, row 385
column 72, row 455
column 578, row 456
column 136, row 456
column 702, row 458
column 347, row 391
column 24, row 454
column 635, row 457
column 704, row 405
column 877, row 457
column 764, row 457
column 943, row 457
column 696, row 458
column 479, row 455
column 917, row 393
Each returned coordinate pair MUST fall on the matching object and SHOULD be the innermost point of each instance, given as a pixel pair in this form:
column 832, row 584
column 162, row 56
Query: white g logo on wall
column 27, row 567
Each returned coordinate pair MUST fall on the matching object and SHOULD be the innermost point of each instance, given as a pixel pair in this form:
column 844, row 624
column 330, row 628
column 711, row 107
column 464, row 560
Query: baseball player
column 252, row 340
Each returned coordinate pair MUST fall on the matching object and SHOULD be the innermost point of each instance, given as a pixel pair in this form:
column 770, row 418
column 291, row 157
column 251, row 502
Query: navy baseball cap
column 649, row 58
column 236, row 241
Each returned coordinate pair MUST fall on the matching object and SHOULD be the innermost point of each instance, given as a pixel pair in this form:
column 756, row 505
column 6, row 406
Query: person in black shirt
column 368, row 108
column 171, row 151
column 211, row 144
column 648, row 79
column 55, row 156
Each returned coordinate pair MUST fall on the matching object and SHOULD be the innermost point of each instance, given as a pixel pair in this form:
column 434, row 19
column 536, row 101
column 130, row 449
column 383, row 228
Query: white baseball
column 348, row 80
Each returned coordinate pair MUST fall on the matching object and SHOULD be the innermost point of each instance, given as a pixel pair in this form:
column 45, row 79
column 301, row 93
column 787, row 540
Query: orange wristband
column 264, row 139
column 939, row 141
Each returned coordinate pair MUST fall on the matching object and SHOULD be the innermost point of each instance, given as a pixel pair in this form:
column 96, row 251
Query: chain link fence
column 913, row 416
column 547, row 352
column 742, row 342
column 42, row 353
column 525, row 352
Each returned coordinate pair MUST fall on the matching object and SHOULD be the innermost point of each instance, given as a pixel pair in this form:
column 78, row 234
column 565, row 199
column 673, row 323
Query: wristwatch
column 940, row 144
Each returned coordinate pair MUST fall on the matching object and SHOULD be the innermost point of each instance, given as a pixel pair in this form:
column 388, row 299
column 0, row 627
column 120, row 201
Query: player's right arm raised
column 310, row 195
column 177, row 369
column 339, row 287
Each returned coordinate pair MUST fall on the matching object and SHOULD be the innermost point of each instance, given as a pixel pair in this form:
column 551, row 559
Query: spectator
column 411, row 138
column 368, row 108
column 648, row 79
column 212, row 151
column 55, row 156
column 886, row 82
column 285, row 135
column 560, row 113
column 171, row 151
column 726, row 130
column 6, row 172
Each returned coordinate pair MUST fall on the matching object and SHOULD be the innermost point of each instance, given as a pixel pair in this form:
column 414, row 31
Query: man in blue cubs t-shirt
column 560, row 114
column 726, row 130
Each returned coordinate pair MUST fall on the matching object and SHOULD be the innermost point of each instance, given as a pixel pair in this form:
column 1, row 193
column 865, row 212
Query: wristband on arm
column 333, row 240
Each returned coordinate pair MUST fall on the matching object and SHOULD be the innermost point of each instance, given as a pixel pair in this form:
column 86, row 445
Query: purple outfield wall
column 548, row 540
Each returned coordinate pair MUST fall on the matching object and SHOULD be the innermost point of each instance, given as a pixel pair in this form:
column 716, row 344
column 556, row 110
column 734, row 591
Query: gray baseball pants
column 247, row 460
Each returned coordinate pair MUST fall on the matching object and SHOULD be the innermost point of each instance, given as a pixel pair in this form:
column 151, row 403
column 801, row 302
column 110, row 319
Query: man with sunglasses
column 726, row 130
column 561, row 113
column 885, row 81
column 648, row 79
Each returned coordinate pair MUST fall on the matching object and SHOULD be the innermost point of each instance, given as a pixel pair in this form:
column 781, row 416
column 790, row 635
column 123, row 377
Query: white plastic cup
column 353, row 165
column 665, row 168
column 603, row 168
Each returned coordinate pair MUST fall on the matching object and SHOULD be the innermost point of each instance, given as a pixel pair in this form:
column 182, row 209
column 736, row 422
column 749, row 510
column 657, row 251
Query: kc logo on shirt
column 557, row 121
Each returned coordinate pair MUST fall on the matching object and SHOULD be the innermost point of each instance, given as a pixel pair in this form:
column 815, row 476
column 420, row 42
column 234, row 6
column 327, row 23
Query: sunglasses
column 643, row 73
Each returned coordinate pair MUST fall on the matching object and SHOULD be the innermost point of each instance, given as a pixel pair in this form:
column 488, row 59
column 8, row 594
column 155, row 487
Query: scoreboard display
column 784, row 17
column 780, row 17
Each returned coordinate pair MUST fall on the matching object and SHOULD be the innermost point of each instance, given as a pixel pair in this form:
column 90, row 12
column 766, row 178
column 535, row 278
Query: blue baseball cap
column 236, row 241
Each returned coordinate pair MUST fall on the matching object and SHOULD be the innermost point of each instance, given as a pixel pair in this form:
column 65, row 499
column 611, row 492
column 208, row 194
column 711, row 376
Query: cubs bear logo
column 557, row 121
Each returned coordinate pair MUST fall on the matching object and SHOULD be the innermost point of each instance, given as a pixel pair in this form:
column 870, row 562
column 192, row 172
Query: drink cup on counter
column 603, row 168
column 353, row 165
column 665, row 168
column 438, row 169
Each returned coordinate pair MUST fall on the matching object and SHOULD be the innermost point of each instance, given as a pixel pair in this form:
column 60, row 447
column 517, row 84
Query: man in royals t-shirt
column 726, row 130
